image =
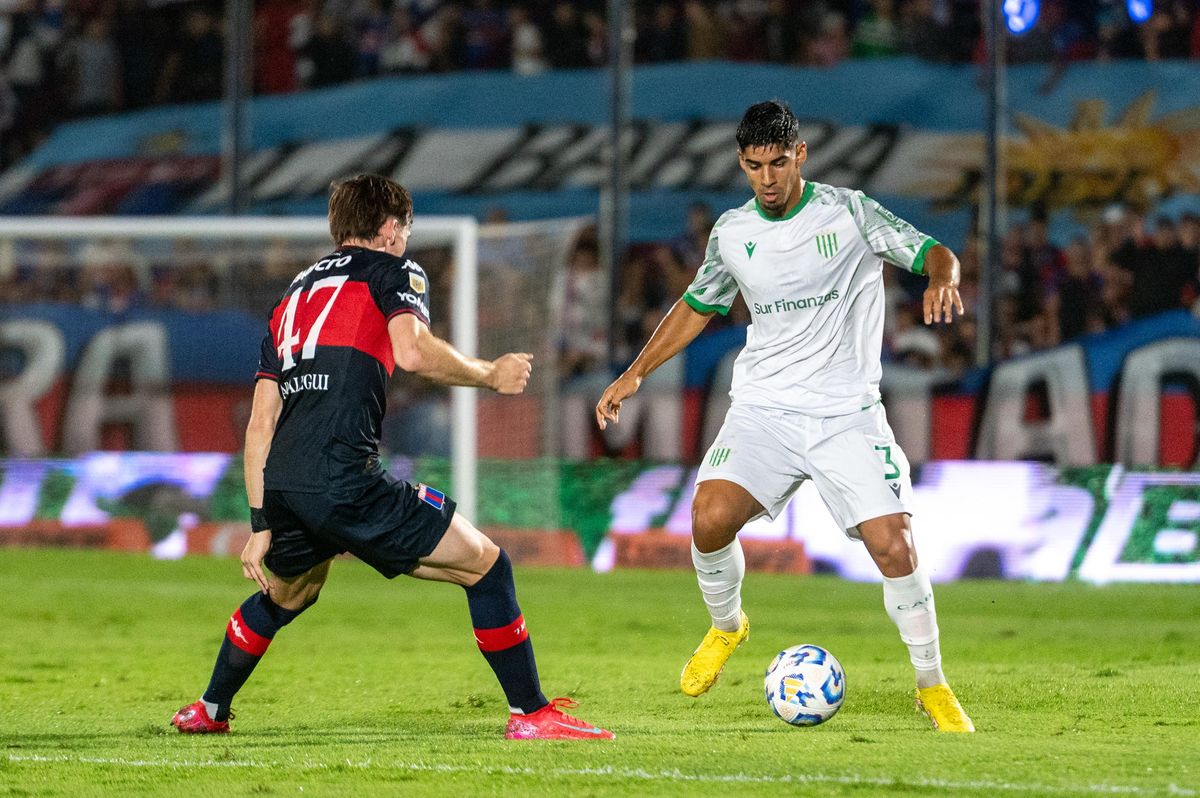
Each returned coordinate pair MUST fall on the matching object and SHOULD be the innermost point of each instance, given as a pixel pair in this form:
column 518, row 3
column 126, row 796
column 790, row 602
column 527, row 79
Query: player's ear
column 387, row 230
column 802, row 152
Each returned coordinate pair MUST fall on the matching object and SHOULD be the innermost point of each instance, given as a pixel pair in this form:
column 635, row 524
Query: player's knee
column 489, row 552
column 714, row 525
column 297, row 596
column 890, row 544
column 480, row 555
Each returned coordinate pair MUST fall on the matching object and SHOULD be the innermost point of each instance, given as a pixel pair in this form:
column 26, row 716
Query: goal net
column 113, row 332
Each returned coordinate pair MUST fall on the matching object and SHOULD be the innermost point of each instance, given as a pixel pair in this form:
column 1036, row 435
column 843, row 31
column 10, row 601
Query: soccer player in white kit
column 808, row 260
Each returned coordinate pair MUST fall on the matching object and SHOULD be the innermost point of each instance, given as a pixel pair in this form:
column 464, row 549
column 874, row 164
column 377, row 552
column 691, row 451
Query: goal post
column 459, row 233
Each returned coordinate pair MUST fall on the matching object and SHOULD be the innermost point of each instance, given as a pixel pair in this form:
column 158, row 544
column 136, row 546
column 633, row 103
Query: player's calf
column 503, row 638
column 248, row 633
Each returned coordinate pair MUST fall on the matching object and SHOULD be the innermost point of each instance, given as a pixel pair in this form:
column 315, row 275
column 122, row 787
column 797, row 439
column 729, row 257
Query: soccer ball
column 805, row 685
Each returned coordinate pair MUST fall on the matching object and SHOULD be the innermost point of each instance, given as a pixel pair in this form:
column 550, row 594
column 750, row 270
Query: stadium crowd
column 62, row 59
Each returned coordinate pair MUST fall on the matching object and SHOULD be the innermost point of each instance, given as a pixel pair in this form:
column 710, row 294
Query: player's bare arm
column 941, row 297
column 419, row 351
column 674, row 333
column 264, row 414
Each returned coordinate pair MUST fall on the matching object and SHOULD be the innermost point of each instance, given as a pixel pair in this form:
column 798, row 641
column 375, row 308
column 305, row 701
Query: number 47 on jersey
column 290, row 334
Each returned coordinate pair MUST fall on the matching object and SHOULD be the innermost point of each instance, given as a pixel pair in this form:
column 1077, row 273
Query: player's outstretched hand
column 609, row 407
column 941, row 300
column 252, row 558
column 511, row 372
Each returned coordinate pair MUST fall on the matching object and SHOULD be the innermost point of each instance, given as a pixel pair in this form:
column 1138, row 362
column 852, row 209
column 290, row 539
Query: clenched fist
column 510, row 373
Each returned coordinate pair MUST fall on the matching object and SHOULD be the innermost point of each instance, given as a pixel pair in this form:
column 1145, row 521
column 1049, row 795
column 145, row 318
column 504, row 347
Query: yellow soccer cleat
column 943, row 710
column 710, row 657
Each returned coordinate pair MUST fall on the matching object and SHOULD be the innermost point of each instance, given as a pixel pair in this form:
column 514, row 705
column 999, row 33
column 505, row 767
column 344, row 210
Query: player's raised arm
column 674, row 333
column 418, row 350
column 942, row 297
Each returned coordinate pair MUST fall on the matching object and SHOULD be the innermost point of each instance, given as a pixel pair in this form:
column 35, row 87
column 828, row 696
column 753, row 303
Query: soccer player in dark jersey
column 313, row 477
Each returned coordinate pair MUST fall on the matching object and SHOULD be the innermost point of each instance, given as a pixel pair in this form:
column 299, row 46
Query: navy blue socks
column 502, row 637
column 247, row 636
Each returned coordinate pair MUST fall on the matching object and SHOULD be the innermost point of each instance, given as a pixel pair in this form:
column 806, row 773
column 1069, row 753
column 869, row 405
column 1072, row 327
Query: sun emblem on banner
column 1135, row 159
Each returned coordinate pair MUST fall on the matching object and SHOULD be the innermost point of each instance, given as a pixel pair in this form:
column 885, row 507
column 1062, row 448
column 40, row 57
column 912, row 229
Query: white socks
column 720, row 576
column 909, row 602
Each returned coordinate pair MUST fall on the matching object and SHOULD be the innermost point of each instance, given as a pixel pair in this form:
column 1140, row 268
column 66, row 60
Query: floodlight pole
column 992, row 199
column 615, row 199
column 235, row 121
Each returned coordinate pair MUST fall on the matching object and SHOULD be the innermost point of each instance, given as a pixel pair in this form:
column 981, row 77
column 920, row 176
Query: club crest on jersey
column 718, row 456
column 417, row 282
column 434, row 498
column 827, row 244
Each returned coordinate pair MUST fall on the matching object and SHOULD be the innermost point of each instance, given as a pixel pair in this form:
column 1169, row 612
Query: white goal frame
column 460, row 232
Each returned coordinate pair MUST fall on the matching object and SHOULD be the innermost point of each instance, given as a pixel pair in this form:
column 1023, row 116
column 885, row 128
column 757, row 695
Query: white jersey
column 813, row 281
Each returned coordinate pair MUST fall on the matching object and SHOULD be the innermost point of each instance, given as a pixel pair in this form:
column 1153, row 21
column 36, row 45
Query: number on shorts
column 894, row 473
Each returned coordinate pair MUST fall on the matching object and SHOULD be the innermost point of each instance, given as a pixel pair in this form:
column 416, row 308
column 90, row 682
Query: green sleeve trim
column 700, row 307
column 918, row 266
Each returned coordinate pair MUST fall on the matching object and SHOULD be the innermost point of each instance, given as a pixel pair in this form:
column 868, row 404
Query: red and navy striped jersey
column 328, row 348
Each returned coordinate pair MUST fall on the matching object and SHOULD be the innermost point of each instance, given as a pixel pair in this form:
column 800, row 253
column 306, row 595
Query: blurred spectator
column 597, row 39
column 662, row 37
column 140, row 39
column 1074, row 297
column 1168, row 33
column 1159, row 268
column 445, row 35
column 406, row 50
column 370, row 25
column 108, row 282
column 693, row 241
column 193, row 67
column 327, row 56
column 275, row 46
column 704, row 40
column 583, row 346
column 92, row 67
column 878, row 32
column 565, row 39
column 832, row 45
column 922, row 33
column 526, row 43
column 485, row 36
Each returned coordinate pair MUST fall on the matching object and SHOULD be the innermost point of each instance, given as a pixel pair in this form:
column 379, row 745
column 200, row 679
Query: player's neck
column 794, row 200
column 362, row 243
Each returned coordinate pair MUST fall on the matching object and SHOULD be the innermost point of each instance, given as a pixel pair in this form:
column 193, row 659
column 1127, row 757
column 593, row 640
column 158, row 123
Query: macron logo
column 237, row 630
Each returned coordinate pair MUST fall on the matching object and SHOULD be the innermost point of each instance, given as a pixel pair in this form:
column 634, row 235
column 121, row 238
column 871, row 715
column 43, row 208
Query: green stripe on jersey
column 700, row 307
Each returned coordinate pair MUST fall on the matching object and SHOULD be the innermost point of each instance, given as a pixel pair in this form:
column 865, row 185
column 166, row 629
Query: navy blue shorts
column 389, row 525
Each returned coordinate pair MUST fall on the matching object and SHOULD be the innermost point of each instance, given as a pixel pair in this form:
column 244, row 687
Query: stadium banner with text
column 75, row 380
column 972, row 519
column 907, row 132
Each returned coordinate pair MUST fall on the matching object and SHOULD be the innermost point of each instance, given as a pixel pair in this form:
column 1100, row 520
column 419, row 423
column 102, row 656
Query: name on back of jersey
column 304, row 382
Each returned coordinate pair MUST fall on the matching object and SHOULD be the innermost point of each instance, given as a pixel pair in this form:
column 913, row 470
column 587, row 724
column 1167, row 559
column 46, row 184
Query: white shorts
column 853, row 460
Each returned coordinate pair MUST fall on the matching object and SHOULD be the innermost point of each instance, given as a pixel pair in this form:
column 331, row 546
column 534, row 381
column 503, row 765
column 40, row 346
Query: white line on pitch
column 629, row 773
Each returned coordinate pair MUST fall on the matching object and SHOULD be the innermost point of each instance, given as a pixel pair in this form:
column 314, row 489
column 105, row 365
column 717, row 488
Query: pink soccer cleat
column 551, row 723
column 194, row 719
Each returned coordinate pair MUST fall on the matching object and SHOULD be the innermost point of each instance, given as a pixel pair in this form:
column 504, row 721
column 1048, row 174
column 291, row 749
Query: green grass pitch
column 379, row 690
